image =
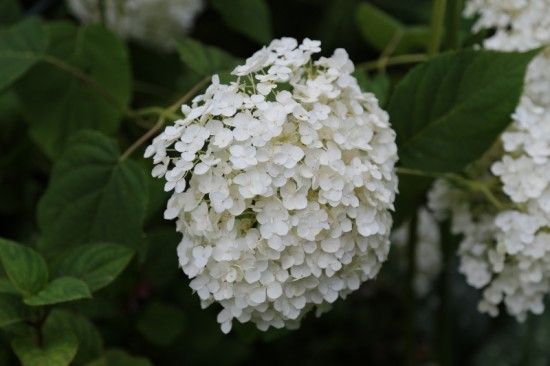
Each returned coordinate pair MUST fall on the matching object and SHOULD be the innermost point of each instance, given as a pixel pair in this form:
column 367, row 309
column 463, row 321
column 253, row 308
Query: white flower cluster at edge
column 157, row 23
column 507, row 252
column 283, row 182
column 428, row 255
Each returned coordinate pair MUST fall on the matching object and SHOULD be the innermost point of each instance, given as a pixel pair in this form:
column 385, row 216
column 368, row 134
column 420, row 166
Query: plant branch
column 150, row 111
column 447, row 246
column 472, row 185
column 411, row 296
column 190, row 94
column 437, row 26
column 169, row 112
column 82, row 76
column 143, row 139
column 389, row 50
column 455, row 14
column 393, row 61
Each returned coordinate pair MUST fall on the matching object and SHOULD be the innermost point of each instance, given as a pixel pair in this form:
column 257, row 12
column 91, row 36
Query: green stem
column 190, row 94
column 102, row 12
column 527, row 346
column 143, row 139
column 445, row 325
column 82, row 76
column 455, row 14
column 389, row 50
column 486, row 191
column 149, row 111
column 411, row 295
column 163, row 115
column 418, row 173
column 392, row 61
column 437, row 26
column 472, row 185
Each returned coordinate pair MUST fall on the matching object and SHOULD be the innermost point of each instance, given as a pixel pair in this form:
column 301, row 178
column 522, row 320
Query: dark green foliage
column 25, row 268
column 61, row 289
column 93, row 196
column 88, row 266
column 205, row 60
column 382, row 31
column 96, row 264
column 448, row 111
column 10, row 12
column 11, row 310
column 87, row 75
column 249, row 17
column 55, row 346
column 21, row 46
column 161, row 324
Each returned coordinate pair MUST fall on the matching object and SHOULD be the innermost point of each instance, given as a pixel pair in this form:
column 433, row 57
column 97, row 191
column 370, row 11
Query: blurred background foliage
column 149, row 315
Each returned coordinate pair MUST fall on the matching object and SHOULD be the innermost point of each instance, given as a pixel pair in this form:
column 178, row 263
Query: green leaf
column 96, row 264
column 6, row 287
column 116, row 357
column 87, row 77
column 21, row 46
column 378, row 84
column 205, row 60
column 11, row 310
column 161, row 324
column 161, row 265
column 25, row 268
column 335, row 28
column 248, row 17
column 90, row 343
column 93, row 196
column 412, row 194
column 377, row 27
column 61, row 289
column 57, row 348
column 448, row 111
column 413, row 11
column 10, row 11
column 380, row 29
column 415, row 38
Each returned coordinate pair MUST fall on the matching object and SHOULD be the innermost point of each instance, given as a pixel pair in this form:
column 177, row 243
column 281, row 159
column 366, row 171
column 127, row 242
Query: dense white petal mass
column 157, row 23
column 520, row 24
column 283, row 181
column 506, row 251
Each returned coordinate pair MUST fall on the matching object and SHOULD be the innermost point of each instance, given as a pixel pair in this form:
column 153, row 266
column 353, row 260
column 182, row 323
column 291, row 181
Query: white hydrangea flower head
column 283, row 182
column 520, row 25
column 429, row 259
column 157, row 23
column 506, row 252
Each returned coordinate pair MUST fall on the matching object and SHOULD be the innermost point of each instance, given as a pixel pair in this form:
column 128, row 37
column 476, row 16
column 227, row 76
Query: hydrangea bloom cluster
column 520, row 25
column 282, row 184
column 157, row 23
column 428, row 254
column 506, row 251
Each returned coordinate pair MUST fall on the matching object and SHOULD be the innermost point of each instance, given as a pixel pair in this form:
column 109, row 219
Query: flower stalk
column 164, row 114
column 437, row 26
